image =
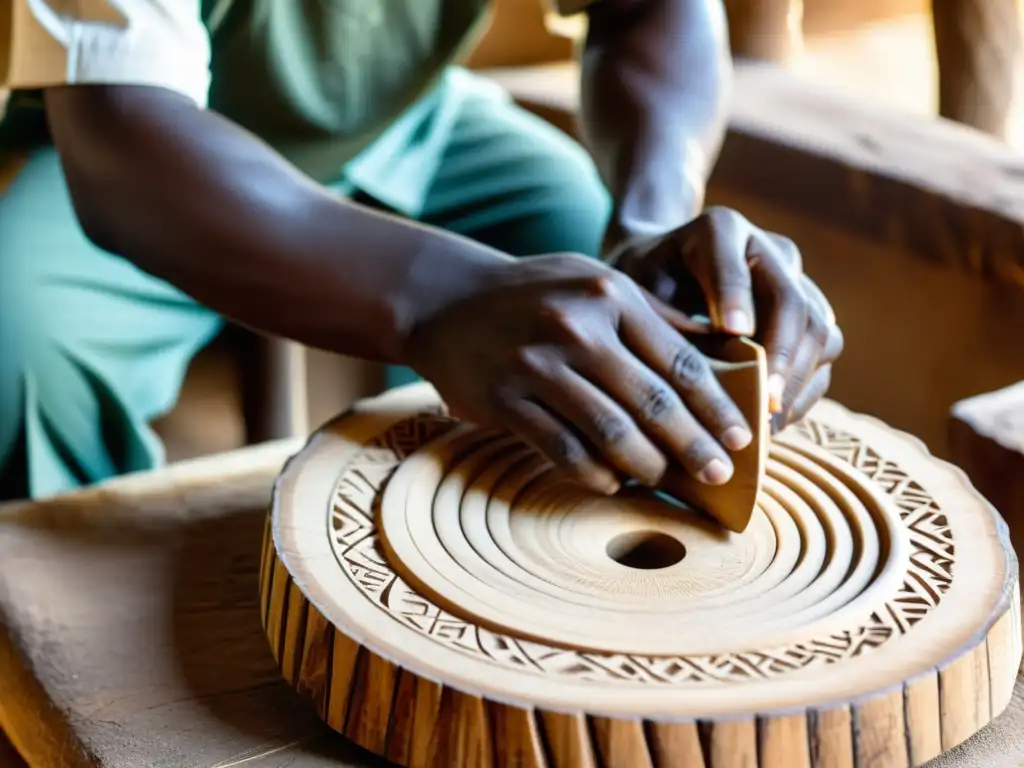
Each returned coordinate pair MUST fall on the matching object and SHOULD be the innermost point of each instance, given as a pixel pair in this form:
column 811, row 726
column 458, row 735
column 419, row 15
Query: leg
column 101, row 347
column 512, row 181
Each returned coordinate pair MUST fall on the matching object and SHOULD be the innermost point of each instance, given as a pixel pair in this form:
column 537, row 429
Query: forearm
column 656, row 80
column 195, row 200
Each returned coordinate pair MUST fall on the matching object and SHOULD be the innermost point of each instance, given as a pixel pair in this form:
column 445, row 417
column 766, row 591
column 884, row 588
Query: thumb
column 718, row 261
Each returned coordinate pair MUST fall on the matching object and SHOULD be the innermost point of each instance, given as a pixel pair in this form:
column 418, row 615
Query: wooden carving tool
column 741, row 367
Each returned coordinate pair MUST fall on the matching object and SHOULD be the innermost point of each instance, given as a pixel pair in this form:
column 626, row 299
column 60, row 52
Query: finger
column 784, row 315
column 820, row 317
column 678, row 319
column 606, row 425
column 787, row 249
column 710, row 418
column 811, row 394
column 717, row 258
column 659, row 410
column 818, row 300
column 833, row 347
column 555, row 440
column 804, row 368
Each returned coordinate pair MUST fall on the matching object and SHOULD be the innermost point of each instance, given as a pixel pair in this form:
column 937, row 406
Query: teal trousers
column 92, row 349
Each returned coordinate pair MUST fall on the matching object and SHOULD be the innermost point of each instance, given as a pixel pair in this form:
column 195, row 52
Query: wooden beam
column 978, row 46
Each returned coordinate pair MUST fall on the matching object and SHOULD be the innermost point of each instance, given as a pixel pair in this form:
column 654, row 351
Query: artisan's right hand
column 572, row 356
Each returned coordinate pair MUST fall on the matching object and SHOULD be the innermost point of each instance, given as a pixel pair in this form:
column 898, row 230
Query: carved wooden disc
column 442, row 597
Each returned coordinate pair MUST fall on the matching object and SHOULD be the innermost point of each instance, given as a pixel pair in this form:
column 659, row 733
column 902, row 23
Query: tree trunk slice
column 442, row 598
column 978, row 47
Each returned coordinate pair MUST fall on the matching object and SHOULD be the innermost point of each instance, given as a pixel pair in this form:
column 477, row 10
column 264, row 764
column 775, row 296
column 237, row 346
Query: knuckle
column 699, row 452
column 791, row 299
column 528, row 362
column 789, row 250
column 565, row 327
column 688, row 366
column 656, row 403
column 835, row 344
column 565, row 450
column 610, row 429
column 722, row 214
column 818, row 326
column 604, row 285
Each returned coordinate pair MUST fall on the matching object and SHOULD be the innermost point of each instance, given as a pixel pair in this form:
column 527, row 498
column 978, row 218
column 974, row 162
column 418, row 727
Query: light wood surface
column 131, row 634
column 440, row 595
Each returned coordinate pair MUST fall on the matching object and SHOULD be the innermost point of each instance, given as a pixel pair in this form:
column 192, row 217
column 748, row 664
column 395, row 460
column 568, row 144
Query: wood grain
column 373, row 506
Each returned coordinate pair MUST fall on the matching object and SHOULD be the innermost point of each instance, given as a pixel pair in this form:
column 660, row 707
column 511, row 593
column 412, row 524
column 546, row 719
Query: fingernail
column 776, row 390
column 717, row 472
column 736, row 438
column 609, row 486
column 739, row 322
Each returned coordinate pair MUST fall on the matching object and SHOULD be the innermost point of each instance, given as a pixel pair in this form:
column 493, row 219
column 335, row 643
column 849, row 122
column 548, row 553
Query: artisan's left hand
column 748, row 282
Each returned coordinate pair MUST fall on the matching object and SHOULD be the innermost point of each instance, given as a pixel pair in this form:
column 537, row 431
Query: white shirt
column 119, row 42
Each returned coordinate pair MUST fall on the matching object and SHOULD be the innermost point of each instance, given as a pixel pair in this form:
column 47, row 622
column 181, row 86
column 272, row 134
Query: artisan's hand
column 748, row 282
column 573, row 357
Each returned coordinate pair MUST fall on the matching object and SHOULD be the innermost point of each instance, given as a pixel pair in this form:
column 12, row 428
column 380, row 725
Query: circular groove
column 842, row 602
column 486, row 529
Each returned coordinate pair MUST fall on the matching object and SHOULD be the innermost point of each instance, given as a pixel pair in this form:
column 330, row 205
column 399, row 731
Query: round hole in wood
column 646, row 550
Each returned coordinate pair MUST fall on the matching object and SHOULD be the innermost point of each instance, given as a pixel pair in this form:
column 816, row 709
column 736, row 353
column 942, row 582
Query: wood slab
column 131, row 631
column 986, row 435
column 439, row 594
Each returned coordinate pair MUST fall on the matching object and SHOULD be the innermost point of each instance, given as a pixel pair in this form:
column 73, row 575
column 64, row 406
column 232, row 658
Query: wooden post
column 274, row 389
column 769, row 30
column 978, row 46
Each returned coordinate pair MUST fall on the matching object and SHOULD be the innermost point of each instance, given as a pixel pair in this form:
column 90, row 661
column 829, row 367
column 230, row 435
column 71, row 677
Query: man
column 321, row 171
